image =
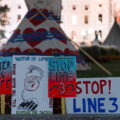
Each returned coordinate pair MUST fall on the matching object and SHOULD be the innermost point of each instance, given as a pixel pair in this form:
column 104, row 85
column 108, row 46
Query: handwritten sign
column 62, row 76
column 95, row 96
column 30, row 85
column 5, row 75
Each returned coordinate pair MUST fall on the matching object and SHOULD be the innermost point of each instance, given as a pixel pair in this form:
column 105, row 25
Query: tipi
column 39, row 33
column 113, row 38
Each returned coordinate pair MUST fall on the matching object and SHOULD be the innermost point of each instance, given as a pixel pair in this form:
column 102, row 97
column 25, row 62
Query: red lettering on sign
column 86, row 85
column 102, row 84
column 93, row 86
column 95, row 83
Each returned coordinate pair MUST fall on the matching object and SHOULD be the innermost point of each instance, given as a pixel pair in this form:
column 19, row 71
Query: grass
column 113, row 67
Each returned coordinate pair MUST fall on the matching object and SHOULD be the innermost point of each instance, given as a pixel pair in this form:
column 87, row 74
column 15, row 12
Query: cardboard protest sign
column 95, row 96
column 62, row 76
column 30, row 85
column 5, row 75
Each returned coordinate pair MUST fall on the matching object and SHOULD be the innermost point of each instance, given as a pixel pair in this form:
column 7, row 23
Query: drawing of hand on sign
column 31, row 88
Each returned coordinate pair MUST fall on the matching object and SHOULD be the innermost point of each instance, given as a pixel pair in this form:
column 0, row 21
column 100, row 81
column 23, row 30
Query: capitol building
column 82, row 20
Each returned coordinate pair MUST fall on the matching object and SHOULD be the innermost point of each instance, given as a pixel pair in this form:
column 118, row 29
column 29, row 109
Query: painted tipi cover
column 39, row 32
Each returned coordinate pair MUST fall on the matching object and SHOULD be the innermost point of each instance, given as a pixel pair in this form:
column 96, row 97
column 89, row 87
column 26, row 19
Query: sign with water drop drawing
column 62, row 76
column 30, row 85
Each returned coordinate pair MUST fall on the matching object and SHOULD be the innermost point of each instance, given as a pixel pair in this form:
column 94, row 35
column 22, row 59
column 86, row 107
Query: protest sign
column 95, row 96
column 30, row 85
column 62, row 76
column 5, row 75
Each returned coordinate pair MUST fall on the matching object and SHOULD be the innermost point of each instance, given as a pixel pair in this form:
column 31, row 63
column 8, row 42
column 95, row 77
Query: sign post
column 63, row 105
column 2, row 104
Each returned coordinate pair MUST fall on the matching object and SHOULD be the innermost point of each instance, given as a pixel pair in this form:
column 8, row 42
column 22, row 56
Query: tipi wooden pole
column 2, row 104
column 49, row 4
column 89, row 56
column 82, row 50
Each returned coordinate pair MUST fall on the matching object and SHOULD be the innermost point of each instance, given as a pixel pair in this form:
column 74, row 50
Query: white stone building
column 17, row 11
column 82, row 18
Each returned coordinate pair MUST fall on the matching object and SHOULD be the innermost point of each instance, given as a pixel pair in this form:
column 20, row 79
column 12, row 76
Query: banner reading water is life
column 95, row 96
column 5, row 75
column 62, row 76
column 30, row 85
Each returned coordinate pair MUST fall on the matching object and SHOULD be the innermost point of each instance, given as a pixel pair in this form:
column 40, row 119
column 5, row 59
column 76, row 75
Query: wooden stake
column 63, row 108
column 97, row 63
column 90, row 57
column 2, row 104
column 82, row 50
column 49, row 3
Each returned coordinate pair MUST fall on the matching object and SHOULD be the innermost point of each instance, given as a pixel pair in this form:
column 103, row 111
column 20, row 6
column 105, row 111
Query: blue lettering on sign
column 43, row 58
column 92, row 105
column 33, row 58
column 89, row 105
column 23, row 58
column 74, row 106
column 114, row 100
column 101, row 104
column 84, row 105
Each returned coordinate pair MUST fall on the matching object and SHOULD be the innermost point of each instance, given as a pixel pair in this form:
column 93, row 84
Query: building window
column 18, row 18
column 74, row 7
column 100, row 5
column 74, row 19
column 73, row 35
column 86, row 7
column 100, row 17
column 86, row 19
column 19, row 6
column 100, row 33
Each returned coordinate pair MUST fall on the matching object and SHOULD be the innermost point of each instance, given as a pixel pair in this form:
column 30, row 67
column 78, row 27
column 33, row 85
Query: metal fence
column 59, row 117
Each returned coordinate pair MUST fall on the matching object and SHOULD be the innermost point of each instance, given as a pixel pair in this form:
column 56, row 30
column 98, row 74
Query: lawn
column 113, row 67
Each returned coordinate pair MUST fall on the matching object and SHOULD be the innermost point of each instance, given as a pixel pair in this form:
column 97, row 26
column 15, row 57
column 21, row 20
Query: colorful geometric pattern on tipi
column 39, row 33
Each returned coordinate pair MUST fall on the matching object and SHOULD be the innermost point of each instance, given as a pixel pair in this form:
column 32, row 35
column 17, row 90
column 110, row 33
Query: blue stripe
column 57, row 54
column 35, row 37
column 32, row 12
column 48, row 38
column 38, row 33
column 49, row 15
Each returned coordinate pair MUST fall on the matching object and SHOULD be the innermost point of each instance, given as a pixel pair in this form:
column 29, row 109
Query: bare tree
column 3, row 19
